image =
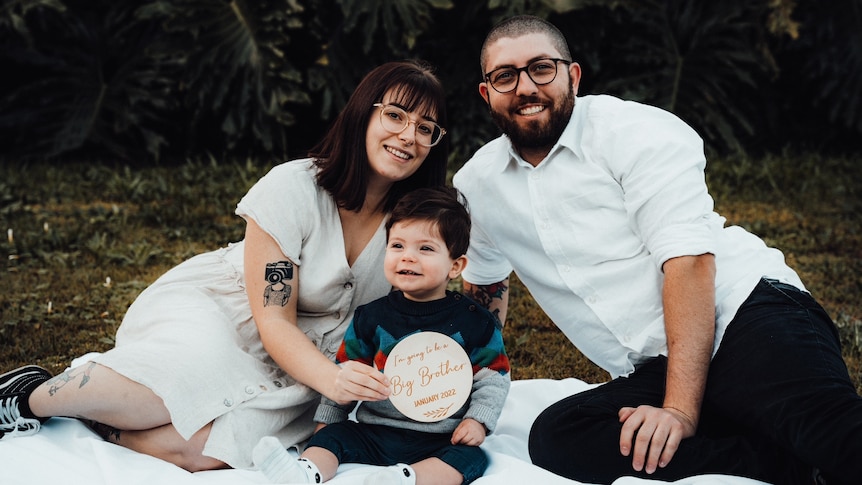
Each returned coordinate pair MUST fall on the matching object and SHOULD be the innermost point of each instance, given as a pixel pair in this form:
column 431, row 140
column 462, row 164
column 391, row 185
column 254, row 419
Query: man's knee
column 540, row 436
column 577, row 438
column 560, row 442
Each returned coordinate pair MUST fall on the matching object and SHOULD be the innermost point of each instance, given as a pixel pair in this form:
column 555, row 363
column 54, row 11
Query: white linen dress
column 190, row 336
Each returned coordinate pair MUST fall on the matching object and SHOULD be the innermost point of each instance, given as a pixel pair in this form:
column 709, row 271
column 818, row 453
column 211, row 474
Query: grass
column 83, row 240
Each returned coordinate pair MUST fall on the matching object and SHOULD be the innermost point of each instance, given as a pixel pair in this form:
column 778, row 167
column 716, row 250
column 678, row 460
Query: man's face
column 533, row 116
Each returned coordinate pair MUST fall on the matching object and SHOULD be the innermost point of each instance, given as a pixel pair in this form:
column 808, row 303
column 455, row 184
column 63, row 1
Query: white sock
column 279, row 467
column 399, row 474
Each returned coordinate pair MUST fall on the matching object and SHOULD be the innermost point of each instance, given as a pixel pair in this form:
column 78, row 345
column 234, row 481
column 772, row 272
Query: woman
column 228, row 347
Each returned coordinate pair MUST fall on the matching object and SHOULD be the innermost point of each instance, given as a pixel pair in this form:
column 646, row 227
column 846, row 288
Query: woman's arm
column 272, row 285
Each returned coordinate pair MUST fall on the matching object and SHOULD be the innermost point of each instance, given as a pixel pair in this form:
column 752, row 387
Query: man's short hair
column 523, row 25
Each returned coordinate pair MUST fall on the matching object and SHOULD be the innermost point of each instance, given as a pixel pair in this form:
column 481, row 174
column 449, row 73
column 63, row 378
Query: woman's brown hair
column 341, row 155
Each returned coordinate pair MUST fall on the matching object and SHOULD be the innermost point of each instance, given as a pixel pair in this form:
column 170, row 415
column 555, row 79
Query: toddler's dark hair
column 445, row 207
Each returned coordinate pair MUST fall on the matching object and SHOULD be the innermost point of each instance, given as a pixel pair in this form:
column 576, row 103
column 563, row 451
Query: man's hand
column 469, row 432
column 654, row 434
column 650, row 435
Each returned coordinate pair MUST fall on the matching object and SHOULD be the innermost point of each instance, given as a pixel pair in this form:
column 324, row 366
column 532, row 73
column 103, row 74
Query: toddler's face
column 417, row 260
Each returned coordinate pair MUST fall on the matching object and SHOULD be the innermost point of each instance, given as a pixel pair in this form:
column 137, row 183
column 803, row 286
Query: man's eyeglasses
column 395, row 120
column 541, row 71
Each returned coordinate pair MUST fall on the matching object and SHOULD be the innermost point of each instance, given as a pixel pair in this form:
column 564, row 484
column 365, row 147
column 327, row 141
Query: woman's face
column 394, row 156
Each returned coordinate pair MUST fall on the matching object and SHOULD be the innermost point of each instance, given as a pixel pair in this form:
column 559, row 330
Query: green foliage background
column 130, row 128
column 161, row 81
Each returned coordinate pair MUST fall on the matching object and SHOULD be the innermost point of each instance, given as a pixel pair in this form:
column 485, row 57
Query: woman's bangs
column 416, row 98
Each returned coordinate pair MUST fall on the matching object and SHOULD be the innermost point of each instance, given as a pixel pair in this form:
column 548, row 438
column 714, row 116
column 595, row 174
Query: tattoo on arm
column 60, row 381
column 496, row 313
column 485, row 294
column 278, row 291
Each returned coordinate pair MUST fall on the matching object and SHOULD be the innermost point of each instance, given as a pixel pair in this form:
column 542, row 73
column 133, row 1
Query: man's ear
column 483, row 91
column 575, row 74
column 458, row 266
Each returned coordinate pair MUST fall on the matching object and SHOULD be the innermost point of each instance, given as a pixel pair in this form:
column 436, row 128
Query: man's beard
column 537, row 134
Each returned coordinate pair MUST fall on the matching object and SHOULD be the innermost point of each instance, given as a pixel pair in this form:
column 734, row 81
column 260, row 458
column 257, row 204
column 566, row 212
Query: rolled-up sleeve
column 659, row 162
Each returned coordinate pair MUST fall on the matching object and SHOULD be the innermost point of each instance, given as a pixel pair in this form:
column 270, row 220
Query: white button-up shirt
column 588, row 229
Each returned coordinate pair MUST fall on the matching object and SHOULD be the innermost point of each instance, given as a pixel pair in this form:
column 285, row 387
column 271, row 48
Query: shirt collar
column 514, row 159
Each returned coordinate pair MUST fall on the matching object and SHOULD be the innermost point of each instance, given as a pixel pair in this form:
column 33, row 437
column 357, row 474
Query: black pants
column 779, row 401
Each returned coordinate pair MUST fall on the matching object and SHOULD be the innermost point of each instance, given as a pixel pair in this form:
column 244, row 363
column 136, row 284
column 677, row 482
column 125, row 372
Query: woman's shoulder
column 294, row 181
column 295, row 172
column 287, row 199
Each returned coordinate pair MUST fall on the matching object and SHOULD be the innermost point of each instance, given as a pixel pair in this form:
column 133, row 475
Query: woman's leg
column 95, row 392
column 122, row 411
column 166, row 443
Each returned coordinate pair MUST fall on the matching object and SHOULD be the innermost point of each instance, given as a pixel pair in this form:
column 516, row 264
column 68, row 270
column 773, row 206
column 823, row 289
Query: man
column 722, row 362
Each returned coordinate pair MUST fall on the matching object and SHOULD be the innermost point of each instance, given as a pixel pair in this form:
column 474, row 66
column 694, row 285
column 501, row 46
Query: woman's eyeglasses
column 395, row 120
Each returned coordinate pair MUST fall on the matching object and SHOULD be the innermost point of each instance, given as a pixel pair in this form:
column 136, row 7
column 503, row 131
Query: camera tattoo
column 277, row 292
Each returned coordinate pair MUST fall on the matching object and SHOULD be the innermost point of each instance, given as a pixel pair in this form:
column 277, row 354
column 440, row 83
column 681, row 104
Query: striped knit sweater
column 378, row 326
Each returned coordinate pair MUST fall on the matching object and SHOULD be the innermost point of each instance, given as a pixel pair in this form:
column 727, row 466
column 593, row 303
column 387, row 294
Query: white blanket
column 67, row 452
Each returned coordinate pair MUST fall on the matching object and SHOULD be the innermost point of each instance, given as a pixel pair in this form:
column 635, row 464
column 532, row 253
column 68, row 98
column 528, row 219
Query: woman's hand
column 359, row 382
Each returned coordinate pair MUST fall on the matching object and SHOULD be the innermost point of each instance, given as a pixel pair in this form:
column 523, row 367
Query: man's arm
column 688, row 297
column 689, row 313
column 494, row 297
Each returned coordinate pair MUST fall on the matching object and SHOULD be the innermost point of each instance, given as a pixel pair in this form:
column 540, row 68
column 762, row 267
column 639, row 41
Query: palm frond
column 86, row 81
column 832, row 40
column 399, row 21
column 239, row 79
column 13, row 14
column 699, row 60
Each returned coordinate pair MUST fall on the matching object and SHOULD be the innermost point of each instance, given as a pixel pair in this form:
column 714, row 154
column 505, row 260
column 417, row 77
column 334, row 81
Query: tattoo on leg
column 60, row 381
column 278, row 291
column 107, row 433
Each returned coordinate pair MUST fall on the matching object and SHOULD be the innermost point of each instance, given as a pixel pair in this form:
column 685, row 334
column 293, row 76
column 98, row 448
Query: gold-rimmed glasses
column 395, row 120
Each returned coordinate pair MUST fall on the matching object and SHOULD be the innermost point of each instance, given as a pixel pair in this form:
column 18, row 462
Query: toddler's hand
column 469, row 432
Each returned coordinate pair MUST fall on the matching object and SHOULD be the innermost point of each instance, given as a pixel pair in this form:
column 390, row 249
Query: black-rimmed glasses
column 541, row 71
column 395, row 120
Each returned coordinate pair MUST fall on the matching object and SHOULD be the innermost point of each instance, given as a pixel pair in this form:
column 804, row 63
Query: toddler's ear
column 458, row 266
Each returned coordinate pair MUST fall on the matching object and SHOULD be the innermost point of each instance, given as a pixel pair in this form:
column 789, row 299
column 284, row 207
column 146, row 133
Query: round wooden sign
column 430, row 375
